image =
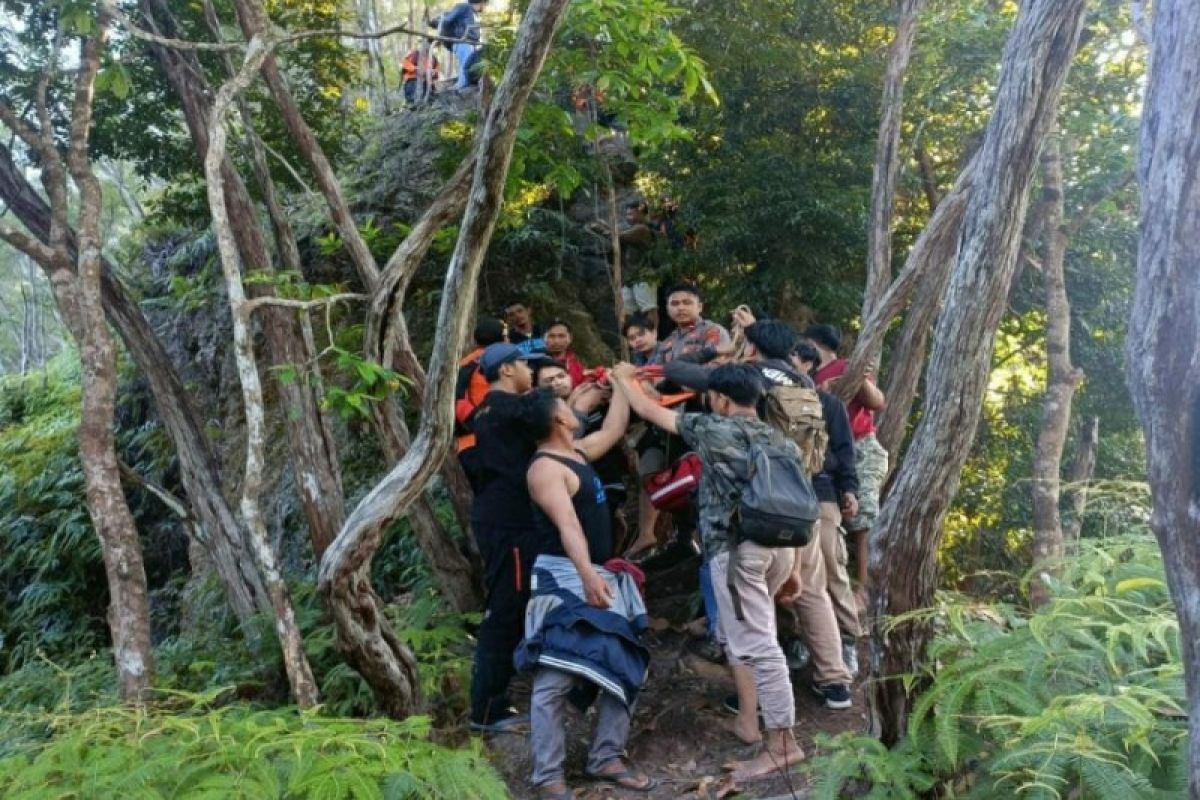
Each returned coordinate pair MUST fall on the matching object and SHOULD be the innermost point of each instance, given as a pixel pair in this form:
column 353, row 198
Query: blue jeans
column 709, row 597
column 462, row 54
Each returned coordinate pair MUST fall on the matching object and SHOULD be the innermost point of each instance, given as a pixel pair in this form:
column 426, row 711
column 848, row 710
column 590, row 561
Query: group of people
column 549, row 444
column 459, row 31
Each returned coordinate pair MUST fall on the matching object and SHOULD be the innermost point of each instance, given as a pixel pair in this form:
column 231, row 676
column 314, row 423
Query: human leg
column 503, row 623
column 548, row 735
column 837, row 579
column 818, row 621
column 462, row 54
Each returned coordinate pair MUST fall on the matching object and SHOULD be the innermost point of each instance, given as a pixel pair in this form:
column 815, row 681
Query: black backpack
column 777, row 507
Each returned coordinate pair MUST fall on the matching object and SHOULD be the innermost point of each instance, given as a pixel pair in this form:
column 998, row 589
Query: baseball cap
column 503, row 353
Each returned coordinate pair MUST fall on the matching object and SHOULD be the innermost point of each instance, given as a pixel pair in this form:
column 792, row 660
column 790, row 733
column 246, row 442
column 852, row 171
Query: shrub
column 240, row 752
column 1083, row 698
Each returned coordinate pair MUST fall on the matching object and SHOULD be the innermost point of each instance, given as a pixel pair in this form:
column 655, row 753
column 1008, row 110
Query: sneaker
column 511, row 722
column 850, row 656
column 836, row 695
column 797, row 655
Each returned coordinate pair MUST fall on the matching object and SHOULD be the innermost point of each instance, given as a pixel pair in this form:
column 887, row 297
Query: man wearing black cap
column 501, row 520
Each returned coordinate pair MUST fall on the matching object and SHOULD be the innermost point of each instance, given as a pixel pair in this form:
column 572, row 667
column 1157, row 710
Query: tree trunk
column 887, row 156
column 1078, row 477
column 129, row 607
column 1063, row 379
column 325, row 508
column 1164, row 328
column 311, row 448
column 363, row 634
column 220, row 534
column 304, row 688
column 1036, row 60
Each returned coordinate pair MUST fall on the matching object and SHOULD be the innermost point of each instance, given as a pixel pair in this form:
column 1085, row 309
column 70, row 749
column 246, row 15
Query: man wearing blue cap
column 501, row 519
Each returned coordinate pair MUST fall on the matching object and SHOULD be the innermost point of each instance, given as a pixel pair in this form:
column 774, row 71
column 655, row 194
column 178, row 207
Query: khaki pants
column 752, row 641
column 812, row 616
column 833, row 550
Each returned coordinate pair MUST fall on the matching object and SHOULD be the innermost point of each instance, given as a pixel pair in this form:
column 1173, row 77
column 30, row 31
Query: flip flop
column 627, row 773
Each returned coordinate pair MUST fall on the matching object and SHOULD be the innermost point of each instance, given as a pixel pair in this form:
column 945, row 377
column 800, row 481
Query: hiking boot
column 797, row 655
column 836, row 695
column 511, row 721
column 850, row 656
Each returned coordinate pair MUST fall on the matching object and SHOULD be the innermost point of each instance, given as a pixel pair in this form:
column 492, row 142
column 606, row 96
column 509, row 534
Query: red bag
column 672, row 489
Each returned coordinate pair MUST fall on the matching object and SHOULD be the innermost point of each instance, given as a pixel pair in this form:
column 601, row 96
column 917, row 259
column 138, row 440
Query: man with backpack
column 750, row 471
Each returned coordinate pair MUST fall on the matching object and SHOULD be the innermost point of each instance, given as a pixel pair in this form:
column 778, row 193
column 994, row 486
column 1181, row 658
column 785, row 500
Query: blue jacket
column 460, row 22
column 563, row 632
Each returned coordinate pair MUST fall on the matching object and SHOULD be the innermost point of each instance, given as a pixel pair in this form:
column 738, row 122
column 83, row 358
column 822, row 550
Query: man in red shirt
column 558, row 346
column 871, row 460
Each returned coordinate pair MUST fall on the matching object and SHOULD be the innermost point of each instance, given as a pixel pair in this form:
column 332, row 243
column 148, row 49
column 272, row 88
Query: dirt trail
column 679, row 734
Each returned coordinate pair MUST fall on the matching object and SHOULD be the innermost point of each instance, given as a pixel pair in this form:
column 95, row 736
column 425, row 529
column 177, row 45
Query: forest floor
column 679, row 734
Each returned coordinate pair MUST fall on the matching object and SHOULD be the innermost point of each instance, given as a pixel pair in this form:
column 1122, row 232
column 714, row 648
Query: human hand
column 849, row 506
column 789, row 592
column 624, row 372
column 596, row 590
column 743, row 317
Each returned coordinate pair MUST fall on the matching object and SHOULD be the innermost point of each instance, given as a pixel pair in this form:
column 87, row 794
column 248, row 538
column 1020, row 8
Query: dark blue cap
column 502, row 353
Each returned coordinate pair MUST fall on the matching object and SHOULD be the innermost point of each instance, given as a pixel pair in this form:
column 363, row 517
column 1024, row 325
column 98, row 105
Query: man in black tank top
column 570, row 517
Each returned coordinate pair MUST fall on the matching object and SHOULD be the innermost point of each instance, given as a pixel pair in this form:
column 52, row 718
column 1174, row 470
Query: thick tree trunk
column 887, row 156
column 220, row 534
column 1036, row 60
column 1164, row 328
column 311, row 448
column 304, row 688
column 129, row 607
column 1083, row 465
column 1063, row 379
column 363, row 634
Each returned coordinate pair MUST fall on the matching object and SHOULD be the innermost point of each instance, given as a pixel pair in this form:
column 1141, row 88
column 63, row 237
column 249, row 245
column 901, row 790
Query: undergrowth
column 188, row 749
column 1083, row 698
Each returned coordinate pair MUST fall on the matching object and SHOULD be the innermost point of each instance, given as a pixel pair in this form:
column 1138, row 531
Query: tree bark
column 1078, row 476
column 220, row 534
column 327, row 500
column 1036, row 60
column 363, row 634
column 1163, row 345
column 1063, row 380
column 129, row 607
column 887, row 156
column 311, row 448
column 304, row 688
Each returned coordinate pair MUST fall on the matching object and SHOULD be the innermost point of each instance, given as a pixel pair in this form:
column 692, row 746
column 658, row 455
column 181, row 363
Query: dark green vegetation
column 759, row 120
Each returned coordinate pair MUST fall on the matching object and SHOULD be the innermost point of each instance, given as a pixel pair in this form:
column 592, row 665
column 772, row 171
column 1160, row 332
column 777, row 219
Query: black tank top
column 590, row 507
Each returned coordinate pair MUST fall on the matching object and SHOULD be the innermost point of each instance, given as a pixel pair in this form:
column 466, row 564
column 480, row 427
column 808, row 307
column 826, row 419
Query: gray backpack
column 777, row 507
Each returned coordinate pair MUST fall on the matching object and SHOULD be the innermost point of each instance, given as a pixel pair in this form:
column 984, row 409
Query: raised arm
column 548, row 488
column 624, row 375
column 596, row 444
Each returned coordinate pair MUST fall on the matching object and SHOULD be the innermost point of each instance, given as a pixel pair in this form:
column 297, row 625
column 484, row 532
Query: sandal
column 621, row 779
column 565, row 794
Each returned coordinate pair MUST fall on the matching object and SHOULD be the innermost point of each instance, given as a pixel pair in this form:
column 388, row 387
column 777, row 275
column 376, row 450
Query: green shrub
column 240, row 752
column 1083, row 698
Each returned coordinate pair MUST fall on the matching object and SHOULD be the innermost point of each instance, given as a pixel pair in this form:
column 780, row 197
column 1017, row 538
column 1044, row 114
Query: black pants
column 506, row 565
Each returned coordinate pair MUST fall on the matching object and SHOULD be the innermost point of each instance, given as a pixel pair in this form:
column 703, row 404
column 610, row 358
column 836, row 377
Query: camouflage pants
column 871, row 462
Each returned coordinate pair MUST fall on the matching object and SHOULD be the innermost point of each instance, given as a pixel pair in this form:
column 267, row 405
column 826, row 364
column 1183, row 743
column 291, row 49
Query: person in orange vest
column 420, row 74
column 470, row 388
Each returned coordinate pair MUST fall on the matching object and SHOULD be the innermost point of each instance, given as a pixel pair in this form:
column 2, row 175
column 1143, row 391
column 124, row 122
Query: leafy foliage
column 193, row 750
column 1083, row 698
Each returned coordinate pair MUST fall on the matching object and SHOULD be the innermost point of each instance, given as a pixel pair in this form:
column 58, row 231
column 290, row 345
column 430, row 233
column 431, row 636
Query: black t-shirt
column 503, row 448
column 517, row 337
column 591, row 507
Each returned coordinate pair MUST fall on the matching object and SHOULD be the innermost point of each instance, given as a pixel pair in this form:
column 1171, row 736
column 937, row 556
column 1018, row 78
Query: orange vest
column 465, row 406
column 413, row 66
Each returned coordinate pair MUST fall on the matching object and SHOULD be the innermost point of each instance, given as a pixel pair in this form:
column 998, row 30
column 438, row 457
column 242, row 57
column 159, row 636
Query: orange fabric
column 413, row 66
column 465, row 406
